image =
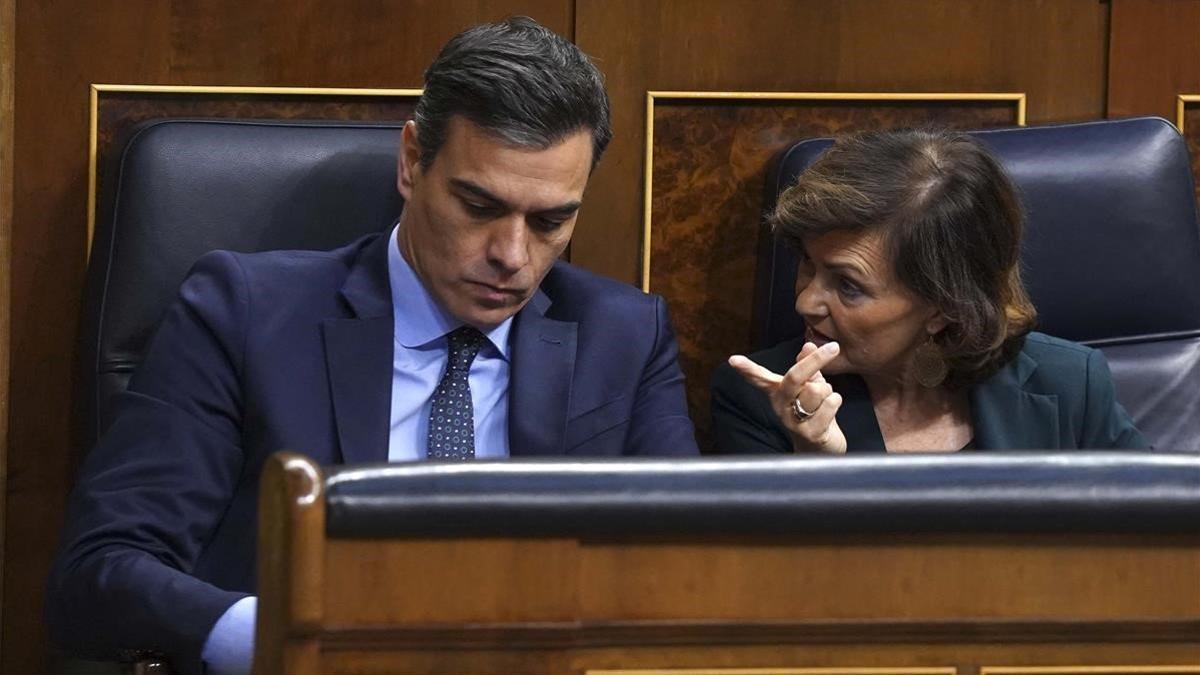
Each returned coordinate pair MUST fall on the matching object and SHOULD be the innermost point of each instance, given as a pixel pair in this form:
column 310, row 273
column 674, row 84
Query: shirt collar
column 418, row 318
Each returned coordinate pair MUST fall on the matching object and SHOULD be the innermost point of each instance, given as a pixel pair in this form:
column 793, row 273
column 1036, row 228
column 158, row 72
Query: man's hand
column 803, row 401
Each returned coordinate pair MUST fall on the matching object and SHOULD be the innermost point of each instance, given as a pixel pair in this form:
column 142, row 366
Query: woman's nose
column 811, row 300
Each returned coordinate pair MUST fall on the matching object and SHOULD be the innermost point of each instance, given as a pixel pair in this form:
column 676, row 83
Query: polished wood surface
column 7, row 54
column 291, row 567
column 710, row 159
column 578, row 604
column 1154, row 55
column 1053, row 50
column 63, row 49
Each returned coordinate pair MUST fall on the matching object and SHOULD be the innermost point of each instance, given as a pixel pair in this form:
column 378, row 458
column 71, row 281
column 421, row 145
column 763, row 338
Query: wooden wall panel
column 1154, row 55
column 7, row 54
column 66, row 46
column 1053, row 50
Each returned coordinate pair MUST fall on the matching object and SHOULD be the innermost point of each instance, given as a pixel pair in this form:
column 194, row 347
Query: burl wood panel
column 118, row 114
column 1053, row 50
column 710, row 162
column 64, row 47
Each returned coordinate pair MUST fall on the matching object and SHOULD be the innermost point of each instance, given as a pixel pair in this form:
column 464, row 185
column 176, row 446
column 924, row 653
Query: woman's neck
column 913, row 417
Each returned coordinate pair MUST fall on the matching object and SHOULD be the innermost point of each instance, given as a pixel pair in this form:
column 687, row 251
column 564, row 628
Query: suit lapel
column 358, row 356
column 539, row 389
column 856, row 417
column 1007, row 417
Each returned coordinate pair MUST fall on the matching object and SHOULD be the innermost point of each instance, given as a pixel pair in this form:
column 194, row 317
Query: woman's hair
column 951, row 223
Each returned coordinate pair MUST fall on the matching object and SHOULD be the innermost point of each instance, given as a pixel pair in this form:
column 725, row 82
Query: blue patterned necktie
column 451, row 415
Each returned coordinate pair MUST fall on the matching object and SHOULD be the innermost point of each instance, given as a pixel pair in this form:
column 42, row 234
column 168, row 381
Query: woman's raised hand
column 804, row 402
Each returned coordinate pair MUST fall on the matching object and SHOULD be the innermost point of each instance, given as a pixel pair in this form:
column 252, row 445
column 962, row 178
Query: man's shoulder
column 292, row 262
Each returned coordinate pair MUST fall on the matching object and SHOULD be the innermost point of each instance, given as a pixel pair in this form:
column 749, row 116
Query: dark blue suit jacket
column 293, row 350
column 1054, row 394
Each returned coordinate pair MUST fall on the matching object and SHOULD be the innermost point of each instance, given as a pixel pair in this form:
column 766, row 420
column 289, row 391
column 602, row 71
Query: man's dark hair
column 518, row 81
column 952, row 224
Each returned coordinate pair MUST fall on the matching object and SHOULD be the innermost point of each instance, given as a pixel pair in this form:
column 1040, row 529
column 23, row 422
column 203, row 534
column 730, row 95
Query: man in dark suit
column 458, row 335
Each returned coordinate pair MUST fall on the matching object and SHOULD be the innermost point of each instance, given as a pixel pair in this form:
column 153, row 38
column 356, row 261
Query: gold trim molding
column 1090, row 670
column 948, row 670
column 1181, row 104
column 96, row 90
column 652, row 97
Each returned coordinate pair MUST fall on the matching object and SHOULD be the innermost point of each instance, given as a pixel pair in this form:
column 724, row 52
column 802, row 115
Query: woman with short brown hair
column 918, row 327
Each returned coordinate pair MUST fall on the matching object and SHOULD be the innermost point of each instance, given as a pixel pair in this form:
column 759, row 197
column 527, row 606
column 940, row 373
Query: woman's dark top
column 1053, row 394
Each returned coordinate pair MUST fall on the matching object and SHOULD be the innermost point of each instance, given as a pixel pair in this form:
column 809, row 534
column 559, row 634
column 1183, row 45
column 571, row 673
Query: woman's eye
column 849, row 288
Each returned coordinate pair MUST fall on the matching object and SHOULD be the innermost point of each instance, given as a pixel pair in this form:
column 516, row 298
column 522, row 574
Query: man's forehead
column 464, row 134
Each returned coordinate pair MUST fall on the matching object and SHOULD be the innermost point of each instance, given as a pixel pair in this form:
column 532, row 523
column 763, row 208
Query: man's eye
column 548, row 224
column 479, row 210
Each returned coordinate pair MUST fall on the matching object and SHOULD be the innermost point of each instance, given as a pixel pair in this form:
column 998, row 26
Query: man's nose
column 508, row 247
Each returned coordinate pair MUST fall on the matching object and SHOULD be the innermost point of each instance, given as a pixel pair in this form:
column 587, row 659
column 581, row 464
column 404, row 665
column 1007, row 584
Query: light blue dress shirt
column 418, row 362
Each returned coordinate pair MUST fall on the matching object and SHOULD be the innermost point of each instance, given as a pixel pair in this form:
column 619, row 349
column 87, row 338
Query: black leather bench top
column 1088, row 492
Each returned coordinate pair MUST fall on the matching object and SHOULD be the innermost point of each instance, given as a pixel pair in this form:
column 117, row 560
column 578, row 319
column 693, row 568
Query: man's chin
column 487, row 315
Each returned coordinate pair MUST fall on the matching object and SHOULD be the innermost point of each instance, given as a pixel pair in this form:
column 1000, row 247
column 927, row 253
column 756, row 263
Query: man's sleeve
column 660, row 424
column 152, row 491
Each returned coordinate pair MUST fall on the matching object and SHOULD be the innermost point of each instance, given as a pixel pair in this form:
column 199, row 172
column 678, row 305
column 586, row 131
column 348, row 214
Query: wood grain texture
column 762, row 660
column 499, row 605
column 65, row 47
column 709, row 168
column 291, row 565
column 1054, row 50
column 7, row 55
column 1154, row 55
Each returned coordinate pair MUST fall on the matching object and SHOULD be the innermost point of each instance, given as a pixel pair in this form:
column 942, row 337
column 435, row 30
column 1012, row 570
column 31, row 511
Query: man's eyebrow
column 565, row 209
column 468, row 186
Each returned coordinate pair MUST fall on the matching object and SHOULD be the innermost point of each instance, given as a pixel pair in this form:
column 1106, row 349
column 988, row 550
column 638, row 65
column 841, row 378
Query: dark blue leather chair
column 1111, row 256
column 184, row 187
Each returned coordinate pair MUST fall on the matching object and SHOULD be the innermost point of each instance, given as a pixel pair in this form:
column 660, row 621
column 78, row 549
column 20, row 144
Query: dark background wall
column 1076, row 60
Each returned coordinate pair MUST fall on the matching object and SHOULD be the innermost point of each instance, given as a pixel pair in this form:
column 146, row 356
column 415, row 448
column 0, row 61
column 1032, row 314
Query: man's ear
column 409, row 163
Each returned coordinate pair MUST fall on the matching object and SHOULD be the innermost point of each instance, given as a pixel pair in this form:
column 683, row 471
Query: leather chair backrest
column 186, row 187
column 1111, row 256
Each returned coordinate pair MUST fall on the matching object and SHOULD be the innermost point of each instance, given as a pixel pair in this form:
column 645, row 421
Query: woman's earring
column 929, row 366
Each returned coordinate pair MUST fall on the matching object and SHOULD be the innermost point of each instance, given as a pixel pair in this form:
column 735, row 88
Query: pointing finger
column 755, row 374
column 808, row 367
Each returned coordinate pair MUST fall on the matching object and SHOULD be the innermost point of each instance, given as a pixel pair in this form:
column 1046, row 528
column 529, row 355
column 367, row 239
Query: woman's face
column 847, row 291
